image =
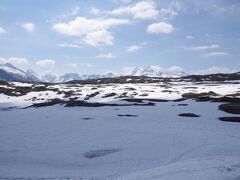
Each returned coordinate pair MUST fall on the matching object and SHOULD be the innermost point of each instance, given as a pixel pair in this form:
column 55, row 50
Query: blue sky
column 90, row 36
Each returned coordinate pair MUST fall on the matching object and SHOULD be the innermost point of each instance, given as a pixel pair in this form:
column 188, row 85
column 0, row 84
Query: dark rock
column 76, row 103
column 188, row 115
column 144, row 94
column 3, row 82
column 87, row 118
column 197, row 95
column 123, row 95
column 233, row 108
column 140, row 100
column 182, row 104
column 134, row 100
column 229, row 119
column 100, row 153
column 91, row 95
column 167, row 91
column 68, row 94
column 130, row 89
column 109, row 95
column 48, row 103
column 127, row 115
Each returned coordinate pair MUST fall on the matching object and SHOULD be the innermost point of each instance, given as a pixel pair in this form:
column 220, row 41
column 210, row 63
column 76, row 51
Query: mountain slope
column 33, row 75
column 11, row 73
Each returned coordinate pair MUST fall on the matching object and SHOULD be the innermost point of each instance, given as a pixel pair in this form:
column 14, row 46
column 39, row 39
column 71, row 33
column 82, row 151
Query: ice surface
column 52, row 142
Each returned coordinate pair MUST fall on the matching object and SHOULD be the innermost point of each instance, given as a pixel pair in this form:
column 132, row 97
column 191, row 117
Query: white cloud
column 217, row 8
column 82, row 26
column 94, row 32
column 160, row 28
column 88, row 65
column 205, row 47
column 106, row 56
column 189, row 37
column 96, row 11
column 175, row 69
column 126, row 1
column 75, row 10
column 69, row 45
column 72, row 65
column 99, row 38
column 46, row 64
column 214, row 70
column 2, row 31
column 134, row 48
column 123, row 1
column 211, row 54
column 147, row 9
column 17, row 61
column 141, row 10
column 167, row 13
column 70, row 13
column 30, row 27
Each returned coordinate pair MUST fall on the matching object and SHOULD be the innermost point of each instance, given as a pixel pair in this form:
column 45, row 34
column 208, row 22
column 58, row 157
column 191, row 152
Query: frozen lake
column 111, row 142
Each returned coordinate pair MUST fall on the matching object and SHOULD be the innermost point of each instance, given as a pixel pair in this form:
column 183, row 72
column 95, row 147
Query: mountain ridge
column 9, row 72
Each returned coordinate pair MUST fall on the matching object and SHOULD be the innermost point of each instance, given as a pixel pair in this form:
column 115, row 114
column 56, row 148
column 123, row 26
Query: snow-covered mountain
column 155, row 71
column 11, row 73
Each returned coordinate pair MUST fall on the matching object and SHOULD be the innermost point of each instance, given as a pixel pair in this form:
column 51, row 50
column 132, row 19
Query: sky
column 92, row 36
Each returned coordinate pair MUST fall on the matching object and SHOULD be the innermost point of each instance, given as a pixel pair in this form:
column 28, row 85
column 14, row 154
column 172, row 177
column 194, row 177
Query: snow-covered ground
column 96, row 143
column 101, row 92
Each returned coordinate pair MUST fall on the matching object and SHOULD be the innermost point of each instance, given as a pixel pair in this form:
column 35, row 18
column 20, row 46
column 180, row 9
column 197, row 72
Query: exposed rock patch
column 230, row 119
column 87, row 118
column 127, row 115
column 3, row 82
column 109, row 95
column 91, row 95
column 233, row 108
column 100, row 153
column 182, row 104
column 188, row 115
